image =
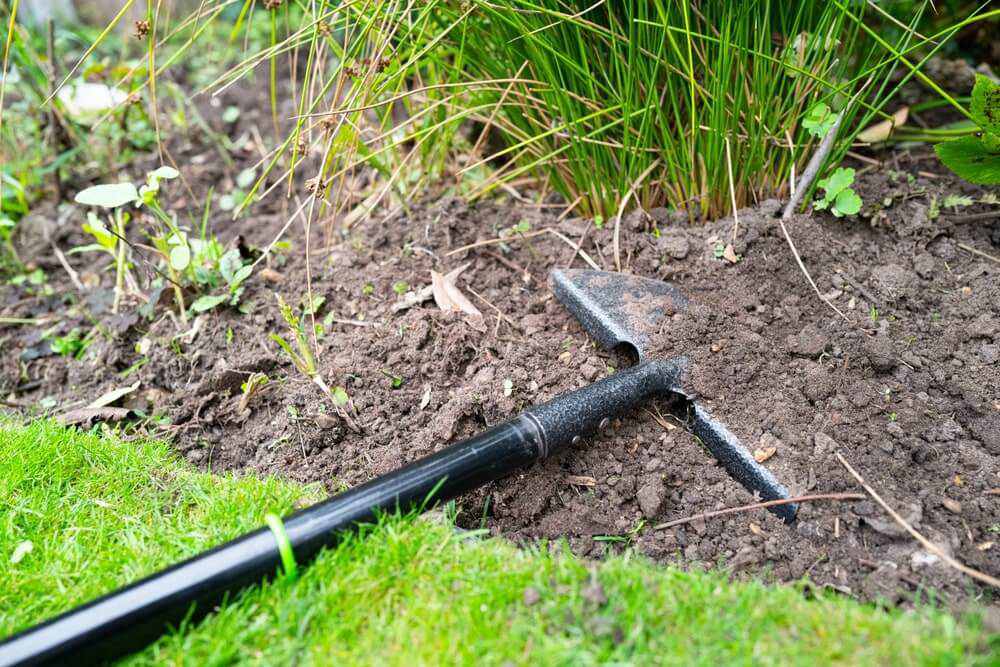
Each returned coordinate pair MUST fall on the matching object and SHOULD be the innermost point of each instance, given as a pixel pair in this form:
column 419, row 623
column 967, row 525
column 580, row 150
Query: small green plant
column 401, row 287
column 189, row 261
column 304, row 360
column 956, row 202
column 395, row 381
column 253, row 385
column 838, row 196
column 934, row 208
column 230, row 268
column 113, row 197
column 976, row 157
column 819, row 119
column 36, row 279
column 71, row 345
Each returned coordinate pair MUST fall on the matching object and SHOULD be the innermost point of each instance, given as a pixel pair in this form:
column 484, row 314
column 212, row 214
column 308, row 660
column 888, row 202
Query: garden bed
column 906, row 387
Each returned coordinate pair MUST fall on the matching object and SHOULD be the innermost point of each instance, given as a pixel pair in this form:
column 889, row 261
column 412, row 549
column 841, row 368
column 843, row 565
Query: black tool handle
column 129, row 618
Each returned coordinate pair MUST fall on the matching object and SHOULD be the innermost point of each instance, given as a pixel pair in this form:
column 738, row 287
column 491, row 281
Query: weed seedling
column 253, row 385
column 838, row 196
column 113, row 197
column 934, row 208
column 36, row 279
column 303, row 359
column 233, row 272
column 956, row 202
column 71, row 345
column 819, row 119
column 395, row 381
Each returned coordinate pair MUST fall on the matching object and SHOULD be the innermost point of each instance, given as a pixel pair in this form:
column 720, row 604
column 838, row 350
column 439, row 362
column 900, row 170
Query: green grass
column 611, row 104
column 100, row 512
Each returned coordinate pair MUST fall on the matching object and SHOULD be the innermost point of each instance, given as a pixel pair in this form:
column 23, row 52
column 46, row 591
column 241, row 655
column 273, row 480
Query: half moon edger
column 618, row 310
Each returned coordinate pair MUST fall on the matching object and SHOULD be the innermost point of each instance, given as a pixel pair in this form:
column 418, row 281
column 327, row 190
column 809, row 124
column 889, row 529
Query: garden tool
column 621, row 311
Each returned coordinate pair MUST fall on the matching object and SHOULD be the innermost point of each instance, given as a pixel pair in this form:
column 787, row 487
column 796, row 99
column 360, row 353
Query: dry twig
column 732, row 191
column 583, row 253
column 761, row 505
column 982, row 254
column 508, row 239
column 812, row 170
column 621, row 211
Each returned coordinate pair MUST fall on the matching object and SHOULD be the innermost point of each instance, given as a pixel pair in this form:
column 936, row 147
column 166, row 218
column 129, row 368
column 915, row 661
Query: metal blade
column 617, row 308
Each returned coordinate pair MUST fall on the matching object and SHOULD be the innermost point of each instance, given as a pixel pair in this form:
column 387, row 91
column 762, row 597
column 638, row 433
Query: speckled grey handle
column 583, row 412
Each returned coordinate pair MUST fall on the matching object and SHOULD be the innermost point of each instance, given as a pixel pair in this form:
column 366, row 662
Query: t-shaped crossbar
column 622, row 312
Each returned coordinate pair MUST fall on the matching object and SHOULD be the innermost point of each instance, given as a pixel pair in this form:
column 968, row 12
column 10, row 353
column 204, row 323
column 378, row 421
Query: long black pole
column 129, row 618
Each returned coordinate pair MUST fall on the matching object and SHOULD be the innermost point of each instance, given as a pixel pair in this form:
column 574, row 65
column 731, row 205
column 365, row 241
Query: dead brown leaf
column 415, row 297
column 115, row 394
column 449, row 298
column 880, row 131
column 87, row 415
column 270, row 276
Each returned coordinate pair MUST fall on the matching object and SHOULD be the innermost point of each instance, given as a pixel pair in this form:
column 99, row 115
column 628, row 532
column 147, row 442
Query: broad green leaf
column 147, row 193
column 208, row 302
column 180, row 257
column 985, row 105
column 96, row 228
column 229, row 264
column 340, row 396
column 108, row 195
column 847, row 203
column 241, row 274
column 231, row 114
column 841, row 178
column 819, row 120
column 970, row 158
column 228, row 202
column 165, row 172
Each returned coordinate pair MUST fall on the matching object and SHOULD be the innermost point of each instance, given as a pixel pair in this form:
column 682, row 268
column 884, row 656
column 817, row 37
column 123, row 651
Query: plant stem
column 119, row 260
column 174, row 277
column 178, row 292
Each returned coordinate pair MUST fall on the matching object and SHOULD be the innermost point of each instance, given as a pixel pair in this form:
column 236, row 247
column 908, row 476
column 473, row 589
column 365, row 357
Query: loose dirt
column 906, row 388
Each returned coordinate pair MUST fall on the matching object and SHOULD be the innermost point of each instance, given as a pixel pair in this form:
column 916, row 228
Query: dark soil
column 906, row 388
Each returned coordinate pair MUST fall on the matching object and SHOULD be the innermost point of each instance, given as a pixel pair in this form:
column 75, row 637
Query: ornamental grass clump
column 638, row 99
